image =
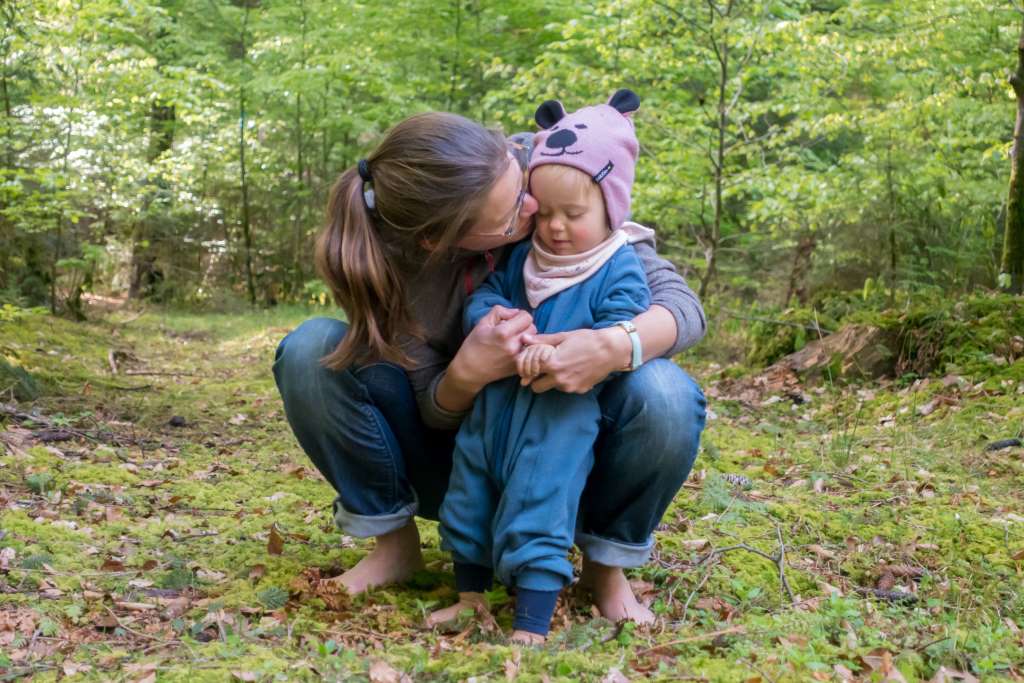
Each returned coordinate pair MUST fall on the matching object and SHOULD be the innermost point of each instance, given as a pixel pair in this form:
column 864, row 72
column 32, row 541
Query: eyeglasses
column 514, row 223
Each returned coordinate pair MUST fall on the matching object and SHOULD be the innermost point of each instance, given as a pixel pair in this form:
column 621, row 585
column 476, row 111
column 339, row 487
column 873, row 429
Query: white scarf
column 547, row 274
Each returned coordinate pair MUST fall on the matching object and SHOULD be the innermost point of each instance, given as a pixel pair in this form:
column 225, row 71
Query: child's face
column 571, row 218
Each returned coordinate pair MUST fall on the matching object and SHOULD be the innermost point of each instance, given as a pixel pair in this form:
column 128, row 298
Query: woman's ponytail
column 365, row 282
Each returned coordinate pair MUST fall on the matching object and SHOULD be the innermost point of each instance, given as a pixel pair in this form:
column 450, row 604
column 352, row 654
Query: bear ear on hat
column 549, row 113
column 625, row 101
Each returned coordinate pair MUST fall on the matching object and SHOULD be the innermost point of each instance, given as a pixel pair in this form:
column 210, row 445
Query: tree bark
column 1013, row 239
column 246, row 226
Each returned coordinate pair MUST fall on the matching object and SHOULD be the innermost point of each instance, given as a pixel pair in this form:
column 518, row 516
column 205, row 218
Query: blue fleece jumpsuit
column 521, row 458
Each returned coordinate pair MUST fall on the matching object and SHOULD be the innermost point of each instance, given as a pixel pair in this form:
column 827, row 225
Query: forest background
column 811, row 166
column 182, row 150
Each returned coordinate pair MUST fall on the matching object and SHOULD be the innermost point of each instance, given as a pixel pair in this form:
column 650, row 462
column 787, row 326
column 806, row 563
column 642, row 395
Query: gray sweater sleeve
column 669, row 290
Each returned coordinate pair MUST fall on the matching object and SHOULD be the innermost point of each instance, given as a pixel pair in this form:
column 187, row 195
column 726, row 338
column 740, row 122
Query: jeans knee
column 297, row 361
column 670, row 412
column 310, row 341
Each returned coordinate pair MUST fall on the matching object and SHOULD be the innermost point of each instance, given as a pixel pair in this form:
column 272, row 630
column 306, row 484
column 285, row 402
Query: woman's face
column 506, row 213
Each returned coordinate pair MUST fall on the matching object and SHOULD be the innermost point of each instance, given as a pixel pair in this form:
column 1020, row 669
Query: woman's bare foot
column 395, row 558
column 612, row 594
column 526, row 638
column 476, row 602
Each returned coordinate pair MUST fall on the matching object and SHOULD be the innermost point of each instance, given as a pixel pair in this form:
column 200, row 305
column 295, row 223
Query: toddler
column 522, row 458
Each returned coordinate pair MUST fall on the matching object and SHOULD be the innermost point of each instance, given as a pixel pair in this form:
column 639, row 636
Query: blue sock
column 534, row 610
column 473, row 578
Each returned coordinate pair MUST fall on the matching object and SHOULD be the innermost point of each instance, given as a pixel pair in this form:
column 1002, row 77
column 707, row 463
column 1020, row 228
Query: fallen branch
column 778, row 559
column 695, row 639
column 146, row 373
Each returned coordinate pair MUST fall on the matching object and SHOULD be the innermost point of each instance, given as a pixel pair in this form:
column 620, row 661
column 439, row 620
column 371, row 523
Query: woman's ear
column 549, row 113
column 625, row 101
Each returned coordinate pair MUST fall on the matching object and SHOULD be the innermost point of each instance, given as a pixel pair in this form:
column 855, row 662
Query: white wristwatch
column 637, row 358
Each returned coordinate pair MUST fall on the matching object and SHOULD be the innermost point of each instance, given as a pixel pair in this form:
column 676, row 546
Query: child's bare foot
column 467, row 601
column 395, row 558
column 612, row 594
column 526, row 638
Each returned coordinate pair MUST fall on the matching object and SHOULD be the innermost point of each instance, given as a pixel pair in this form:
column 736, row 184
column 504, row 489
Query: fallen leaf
column 614, row 676
column 112, row 565
column 944, row 675
column 275, row 543
column 511, row 666
column 822, row 552
column 382, row 672
column 245, row 675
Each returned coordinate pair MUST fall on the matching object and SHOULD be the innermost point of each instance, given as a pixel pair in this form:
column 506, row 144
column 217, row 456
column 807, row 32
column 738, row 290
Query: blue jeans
column 361, row 428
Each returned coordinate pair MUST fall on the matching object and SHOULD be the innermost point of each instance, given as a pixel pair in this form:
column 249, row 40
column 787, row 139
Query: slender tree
column 1012, row 271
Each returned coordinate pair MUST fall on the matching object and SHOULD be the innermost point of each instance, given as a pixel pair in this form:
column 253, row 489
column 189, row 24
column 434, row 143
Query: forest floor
column 161, row 523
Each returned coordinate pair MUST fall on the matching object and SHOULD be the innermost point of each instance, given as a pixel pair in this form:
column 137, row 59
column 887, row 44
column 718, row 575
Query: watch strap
column 637, row 357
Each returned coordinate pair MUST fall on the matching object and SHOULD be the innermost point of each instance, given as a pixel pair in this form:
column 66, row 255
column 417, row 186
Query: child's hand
column 530, row 360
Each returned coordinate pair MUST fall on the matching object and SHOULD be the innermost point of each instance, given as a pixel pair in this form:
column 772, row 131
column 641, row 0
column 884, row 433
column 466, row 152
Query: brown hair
column 431, row 175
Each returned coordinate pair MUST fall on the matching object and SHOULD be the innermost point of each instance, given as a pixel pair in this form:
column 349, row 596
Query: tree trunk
column 144, row 274
column 801, row 266
column 1013, row 239
column 246, row 227
column 454, row 78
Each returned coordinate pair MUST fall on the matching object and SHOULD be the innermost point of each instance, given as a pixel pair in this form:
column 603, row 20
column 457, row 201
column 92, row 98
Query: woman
column 376, row 402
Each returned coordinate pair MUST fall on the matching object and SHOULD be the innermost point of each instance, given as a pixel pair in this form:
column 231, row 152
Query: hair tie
column 368, row 197
column 364, row 171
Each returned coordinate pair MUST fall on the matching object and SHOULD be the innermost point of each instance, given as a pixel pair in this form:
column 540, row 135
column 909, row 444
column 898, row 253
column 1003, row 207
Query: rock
column 177, row 421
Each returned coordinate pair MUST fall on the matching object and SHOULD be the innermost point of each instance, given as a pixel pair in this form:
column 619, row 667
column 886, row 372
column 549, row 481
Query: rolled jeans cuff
column 614, row 553
column 365, row 526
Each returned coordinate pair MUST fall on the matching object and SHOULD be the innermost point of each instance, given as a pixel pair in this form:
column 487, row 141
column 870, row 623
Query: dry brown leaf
column 822, row 552
column 511, row 666
column 1019, row 555
column 382, row 672
column 275, row 543
column 944, row 675
column 614, row 676
column 258, row 571
column 112, row 565
column 886, row 581
column 842, row 673
column 696, row 543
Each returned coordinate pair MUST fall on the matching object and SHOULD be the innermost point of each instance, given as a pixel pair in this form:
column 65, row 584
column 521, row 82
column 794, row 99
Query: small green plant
column 39, row 482
column 273, row 598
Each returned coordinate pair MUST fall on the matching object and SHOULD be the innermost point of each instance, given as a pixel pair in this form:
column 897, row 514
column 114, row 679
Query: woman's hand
column 489, row 351
column 583, row 359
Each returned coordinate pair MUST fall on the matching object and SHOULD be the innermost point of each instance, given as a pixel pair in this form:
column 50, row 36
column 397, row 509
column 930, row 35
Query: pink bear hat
column 598, row 140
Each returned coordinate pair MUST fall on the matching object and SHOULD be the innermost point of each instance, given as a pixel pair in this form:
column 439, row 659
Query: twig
column 694, row 639
column 15, row 674
column 703, row 580
column 138, row 633
column 144, row 373
column 112, row 361
column 778, row 559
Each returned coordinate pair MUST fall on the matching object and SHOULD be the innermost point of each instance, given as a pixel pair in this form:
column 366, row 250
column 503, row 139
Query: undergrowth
column 133, row 547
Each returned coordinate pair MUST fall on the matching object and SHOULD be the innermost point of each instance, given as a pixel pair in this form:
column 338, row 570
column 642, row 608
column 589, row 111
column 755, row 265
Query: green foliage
column 858, row 142
column 273, row 598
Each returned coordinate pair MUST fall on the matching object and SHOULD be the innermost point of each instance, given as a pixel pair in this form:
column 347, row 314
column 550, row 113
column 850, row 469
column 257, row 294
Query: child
column 522, row 458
